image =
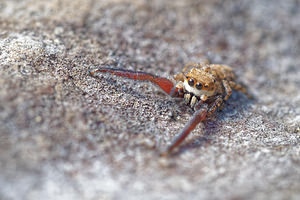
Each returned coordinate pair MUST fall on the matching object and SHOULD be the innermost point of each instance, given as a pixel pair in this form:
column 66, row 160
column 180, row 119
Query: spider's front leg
column 164, row 83
column 202, row 112
column 198, row 116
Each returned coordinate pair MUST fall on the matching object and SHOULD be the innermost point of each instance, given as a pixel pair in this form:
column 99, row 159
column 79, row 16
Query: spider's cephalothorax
column 203, row 86
column 203, row 81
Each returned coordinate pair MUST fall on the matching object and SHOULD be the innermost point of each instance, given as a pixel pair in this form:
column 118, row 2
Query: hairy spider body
column 203, row 86
column 203, row 81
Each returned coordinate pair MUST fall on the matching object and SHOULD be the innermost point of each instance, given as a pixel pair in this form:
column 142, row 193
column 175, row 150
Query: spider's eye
column 199, row 86
column 206, row 85
column 191, row 82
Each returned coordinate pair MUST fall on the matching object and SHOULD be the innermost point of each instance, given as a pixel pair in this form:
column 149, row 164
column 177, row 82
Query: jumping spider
column 205, row 87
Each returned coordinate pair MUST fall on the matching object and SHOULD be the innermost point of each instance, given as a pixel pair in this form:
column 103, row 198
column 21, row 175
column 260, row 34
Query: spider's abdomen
column 222, row 72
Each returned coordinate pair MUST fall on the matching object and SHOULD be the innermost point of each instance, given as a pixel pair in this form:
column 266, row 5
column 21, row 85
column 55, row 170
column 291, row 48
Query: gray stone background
column 66, row 135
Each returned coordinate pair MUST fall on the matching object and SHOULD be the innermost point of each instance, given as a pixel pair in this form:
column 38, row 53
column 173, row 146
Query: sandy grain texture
column 66, row 135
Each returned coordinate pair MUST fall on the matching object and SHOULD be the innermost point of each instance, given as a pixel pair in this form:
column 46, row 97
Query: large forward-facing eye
column 199, row 86
column 191, row 82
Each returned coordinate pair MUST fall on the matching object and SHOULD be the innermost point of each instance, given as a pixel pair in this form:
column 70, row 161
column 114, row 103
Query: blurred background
column 66, row 135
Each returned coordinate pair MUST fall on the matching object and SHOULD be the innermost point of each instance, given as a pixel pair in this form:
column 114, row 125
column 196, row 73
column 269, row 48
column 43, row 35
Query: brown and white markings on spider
column 205, row 87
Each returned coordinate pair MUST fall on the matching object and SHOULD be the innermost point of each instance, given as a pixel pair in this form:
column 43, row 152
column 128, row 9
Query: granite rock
column 67, row 135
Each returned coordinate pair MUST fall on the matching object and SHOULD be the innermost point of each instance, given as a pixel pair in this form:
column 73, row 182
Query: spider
column 203, row 86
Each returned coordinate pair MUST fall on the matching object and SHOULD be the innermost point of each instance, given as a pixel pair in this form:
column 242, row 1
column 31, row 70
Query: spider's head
column 200, row 82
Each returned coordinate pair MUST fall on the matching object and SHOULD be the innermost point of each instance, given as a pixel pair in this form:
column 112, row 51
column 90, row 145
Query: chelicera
column 203, row 86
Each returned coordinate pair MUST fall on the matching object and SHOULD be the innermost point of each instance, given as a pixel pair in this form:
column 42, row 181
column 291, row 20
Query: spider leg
column 200, row 115
column 197, row 117
column 228, row 89
column 240, row 87
column 217, row 104
column 164, row 83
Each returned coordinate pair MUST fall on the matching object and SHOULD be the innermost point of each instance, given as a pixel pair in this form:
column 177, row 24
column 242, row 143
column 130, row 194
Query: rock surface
column 66, row 135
